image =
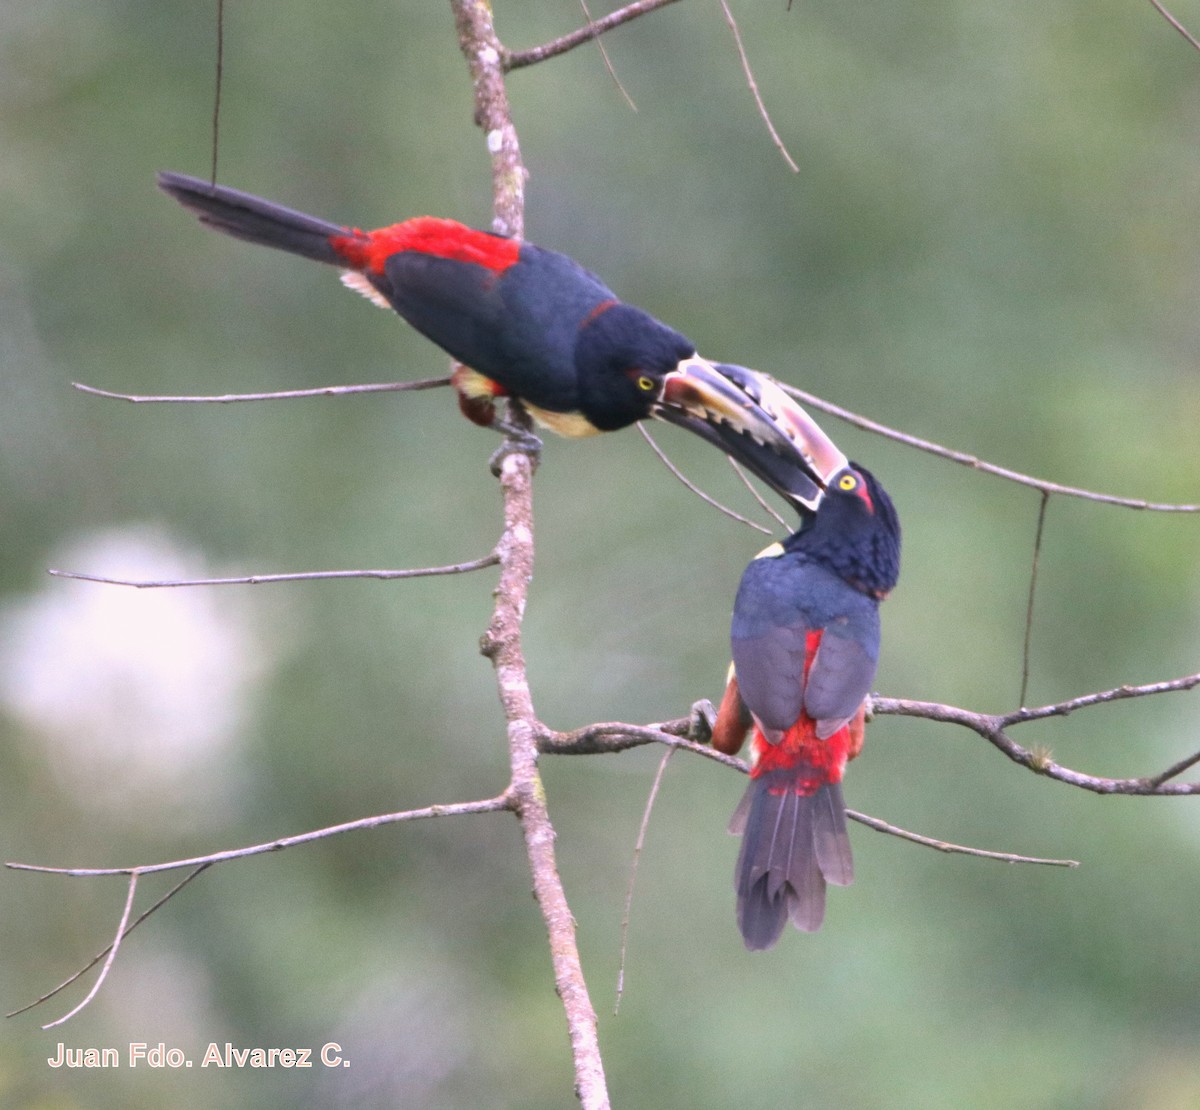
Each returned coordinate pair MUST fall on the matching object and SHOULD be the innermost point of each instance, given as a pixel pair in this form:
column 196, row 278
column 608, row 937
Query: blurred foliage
column 992, row 243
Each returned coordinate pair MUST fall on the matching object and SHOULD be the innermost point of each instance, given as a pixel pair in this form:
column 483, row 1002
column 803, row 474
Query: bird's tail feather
column 793, row 844
column 259, row 221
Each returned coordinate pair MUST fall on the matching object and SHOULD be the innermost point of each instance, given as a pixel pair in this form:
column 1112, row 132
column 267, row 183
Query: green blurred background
column 992, row 242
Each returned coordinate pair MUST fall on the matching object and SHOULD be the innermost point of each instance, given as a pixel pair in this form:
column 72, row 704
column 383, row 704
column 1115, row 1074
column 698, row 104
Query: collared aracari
column 805, row 639
column 531, row 324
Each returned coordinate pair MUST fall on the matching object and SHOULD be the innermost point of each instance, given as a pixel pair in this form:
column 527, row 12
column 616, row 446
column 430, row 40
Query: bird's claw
column 701, row 721
column 517, row 441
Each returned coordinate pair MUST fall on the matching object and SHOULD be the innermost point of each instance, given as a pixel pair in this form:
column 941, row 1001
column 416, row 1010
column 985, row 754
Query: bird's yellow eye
column 646, row 384
column 847, row 482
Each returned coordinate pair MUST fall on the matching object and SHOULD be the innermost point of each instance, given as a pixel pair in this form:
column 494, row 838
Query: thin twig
column 994, row 729
column 1100, row 697
column 202, row 863
column 694, row 488
column 1176, row 24
column 1033, row 573
column 749, row 73
column 452, row 809
column 220, row 76
column 769, row 509
column 516, row 59
column 100, row 955
column 112, row 955
column 947, row 846
column 964, row 459
column 298, row 576
column 607, row 61
column 1174, row 770
column 276, row 395
column 633, row 868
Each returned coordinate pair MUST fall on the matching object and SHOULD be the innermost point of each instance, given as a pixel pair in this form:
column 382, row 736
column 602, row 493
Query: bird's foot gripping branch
column 519, row 439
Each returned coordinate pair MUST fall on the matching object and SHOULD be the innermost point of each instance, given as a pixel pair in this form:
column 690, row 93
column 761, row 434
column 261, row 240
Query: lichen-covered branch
column 482, row 49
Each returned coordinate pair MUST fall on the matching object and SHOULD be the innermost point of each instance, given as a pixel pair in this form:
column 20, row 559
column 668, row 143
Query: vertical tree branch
column 480, row 46
column 502, row 644
column 502, row 641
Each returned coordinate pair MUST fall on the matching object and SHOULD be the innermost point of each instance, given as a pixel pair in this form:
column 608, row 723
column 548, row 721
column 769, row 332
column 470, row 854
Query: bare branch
column 741, row 473
column 1101, row 697
column 607, row 61
column 278, row 395
column 1033, row 572
column 502, row 641
column 516, row 59
column 955, row 849
column 615, row 736
column 502, row 644
column 1174, row 770
column 220, row 75
column 484, row 55
column 637, row 855
column 112, row 955
column 202, row 863
column 299, row 576
column 978, row 464
column 993, row 728
column 758, row 100
column 104, row 952
column 662, row 456
column 1176, row 24
column 453, row 809
column 609, row 737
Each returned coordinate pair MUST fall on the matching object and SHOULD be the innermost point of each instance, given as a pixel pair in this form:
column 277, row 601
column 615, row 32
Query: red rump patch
column 369, row 250
column 815, row 761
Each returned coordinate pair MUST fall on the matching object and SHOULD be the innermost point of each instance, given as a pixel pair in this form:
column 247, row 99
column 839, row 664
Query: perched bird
column 805, row 639
column 531, row 324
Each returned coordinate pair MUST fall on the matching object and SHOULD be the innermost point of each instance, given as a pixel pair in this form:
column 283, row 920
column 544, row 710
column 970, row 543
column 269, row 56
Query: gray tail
column 792, row 845
column 254, row 219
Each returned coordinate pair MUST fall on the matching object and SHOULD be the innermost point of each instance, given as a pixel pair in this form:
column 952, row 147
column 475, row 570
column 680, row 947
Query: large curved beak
column 749, row 417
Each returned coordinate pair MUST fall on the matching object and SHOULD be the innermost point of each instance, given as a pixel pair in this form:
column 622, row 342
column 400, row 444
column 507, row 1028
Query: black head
column 856, row 532
column 622, row 357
